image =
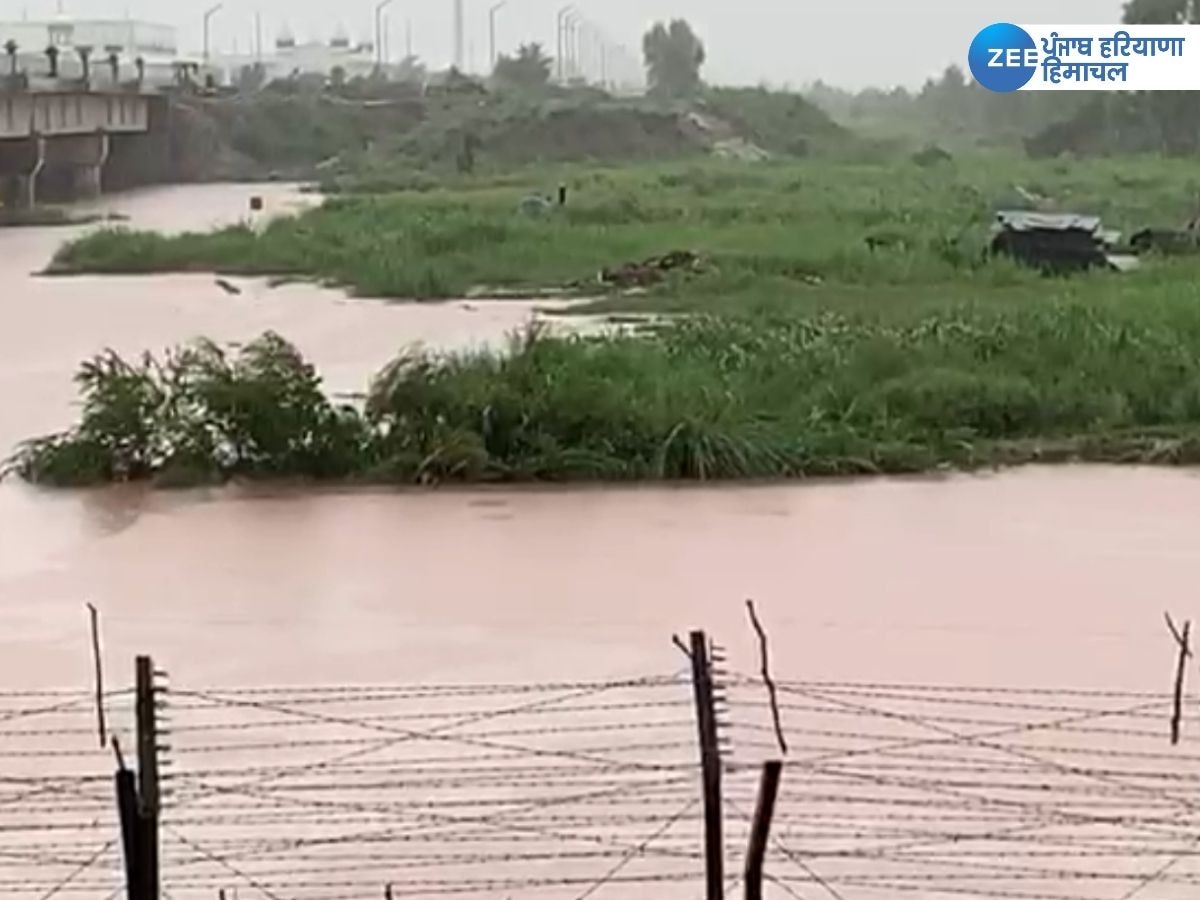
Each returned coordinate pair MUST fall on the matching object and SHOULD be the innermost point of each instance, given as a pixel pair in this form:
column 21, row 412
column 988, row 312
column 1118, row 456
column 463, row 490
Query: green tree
column 529, row 70
column 1176, row 114
column 674, row 56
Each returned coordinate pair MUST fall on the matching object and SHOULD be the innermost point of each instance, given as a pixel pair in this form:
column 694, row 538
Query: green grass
column 778, row 234
column 704, row 399
column 805, row 353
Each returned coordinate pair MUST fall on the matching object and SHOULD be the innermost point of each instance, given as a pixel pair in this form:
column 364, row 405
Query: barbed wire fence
column 58, row 819
column 1034, row 794
column 583, row 788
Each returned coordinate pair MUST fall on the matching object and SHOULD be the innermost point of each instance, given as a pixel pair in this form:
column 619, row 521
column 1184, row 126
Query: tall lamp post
column 208, row 14
column 560, row 21
column 460, row 62
column 379, row 8
column 571, row 41
column 496, row 7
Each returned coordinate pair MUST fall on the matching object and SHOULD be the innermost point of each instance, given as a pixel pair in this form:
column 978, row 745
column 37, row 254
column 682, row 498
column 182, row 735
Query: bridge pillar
column 77, row 163
column 21, row 163
column 89, row 183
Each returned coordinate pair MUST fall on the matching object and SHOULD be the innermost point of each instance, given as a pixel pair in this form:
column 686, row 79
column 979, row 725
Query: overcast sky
column 749, row 41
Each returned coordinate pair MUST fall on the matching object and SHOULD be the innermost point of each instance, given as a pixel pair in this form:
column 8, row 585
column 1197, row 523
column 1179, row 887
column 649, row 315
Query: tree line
column 953, row 107
column 672, row 52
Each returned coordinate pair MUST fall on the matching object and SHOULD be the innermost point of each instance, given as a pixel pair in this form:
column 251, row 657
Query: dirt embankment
column 273, row 135
column 268, row 136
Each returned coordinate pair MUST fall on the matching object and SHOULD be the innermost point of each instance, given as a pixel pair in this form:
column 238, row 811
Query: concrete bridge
column 67, row 113
column 58, row 141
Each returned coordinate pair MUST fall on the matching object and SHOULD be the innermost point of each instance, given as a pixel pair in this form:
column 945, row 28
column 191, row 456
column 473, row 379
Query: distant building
column 290, row 58
column 129, row 39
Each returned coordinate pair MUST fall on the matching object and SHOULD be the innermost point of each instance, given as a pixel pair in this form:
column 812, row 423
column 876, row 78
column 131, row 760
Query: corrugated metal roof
column 1023, row 220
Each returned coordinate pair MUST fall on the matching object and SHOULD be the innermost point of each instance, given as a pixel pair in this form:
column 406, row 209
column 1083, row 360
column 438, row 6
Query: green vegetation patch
column 776, row 234
column 701, row 399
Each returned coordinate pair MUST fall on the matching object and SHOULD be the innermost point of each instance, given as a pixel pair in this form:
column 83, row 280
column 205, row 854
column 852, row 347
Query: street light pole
column 208, row 14
column 492, row 30
column 571, row 35
column 460, row 62
column 560, row 22
column 379, row 8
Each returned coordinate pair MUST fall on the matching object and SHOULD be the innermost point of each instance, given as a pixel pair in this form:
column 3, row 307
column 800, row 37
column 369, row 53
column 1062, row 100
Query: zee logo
column 1003, row 57
column 1011, row 58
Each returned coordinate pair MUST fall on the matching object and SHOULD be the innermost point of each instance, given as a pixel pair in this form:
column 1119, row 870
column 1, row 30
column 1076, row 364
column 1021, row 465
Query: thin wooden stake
column 1183, row 639
column 98, row 663
column 760, row 830
column 766, row 675
column 710, row 765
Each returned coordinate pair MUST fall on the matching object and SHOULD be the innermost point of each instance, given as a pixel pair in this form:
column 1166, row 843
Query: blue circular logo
column 1003, row 57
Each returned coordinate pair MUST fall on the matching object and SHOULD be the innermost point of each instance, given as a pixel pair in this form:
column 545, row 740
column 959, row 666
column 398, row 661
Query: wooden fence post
column 127, row 810
column 760, row 830
column 710, row 765
column 149, row 805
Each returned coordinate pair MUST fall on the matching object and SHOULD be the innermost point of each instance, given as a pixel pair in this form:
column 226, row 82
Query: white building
column 129, row 39
column 291, row 58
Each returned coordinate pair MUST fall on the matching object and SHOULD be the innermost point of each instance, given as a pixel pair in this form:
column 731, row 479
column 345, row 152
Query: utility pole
column 568, row 46
column 408, row 43
column 496, row 7
column 458, row 35
column 258, row 36
column 379, row 8
column 208, row 14
column 575, row 22
column 710, row 766
column 560, row 26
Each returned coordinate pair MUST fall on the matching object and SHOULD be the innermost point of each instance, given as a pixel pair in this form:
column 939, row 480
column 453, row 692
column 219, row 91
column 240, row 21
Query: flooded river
column 1057, row 575
column 1030, row 579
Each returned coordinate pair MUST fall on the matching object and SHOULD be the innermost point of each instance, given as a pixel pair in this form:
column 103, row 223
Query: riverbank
column 836, row 320
column 794, row 236
column 51, row 217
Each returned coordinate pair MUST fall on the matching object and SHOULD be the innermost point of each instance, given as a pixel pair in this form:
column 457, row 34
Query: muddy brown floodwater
column 1030, row 579
column 1036, row 575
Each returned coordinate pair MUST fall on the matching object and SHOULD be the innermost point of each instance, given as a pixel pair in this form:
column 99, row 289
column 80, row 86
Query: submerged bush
column 721, row 398
column 202, row 413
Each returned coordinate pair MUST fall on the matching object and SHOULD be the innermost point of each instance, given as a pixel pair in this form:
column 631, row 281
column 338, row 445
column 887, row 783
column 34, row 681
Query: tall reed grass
column 708, row 398
column 784, row 231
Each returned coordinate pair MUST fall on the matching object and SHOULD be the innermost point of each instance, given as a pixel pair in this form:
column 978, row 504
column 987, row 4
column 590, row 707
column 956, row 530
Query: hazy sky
column 749, row 41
